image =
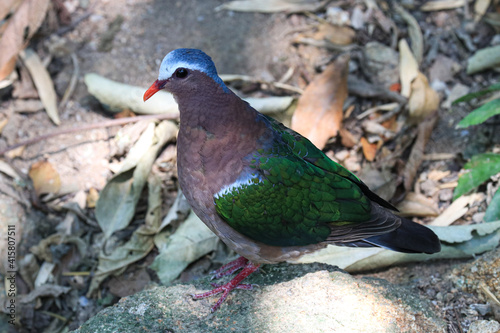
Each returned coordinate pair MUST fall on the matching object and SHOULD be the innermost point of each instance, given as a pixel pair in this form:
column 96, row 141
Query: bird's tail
column 410, row 237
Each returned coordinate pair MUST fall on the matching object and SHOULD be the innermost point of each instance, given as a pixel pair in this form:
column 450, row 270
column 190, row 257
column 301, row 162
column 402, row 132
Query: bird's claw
column 235, row 283
column 242, row 286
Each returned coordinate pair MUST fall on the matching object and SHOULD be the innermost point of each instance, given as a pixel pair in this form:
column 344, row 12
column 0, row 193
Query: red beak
column 155, row 87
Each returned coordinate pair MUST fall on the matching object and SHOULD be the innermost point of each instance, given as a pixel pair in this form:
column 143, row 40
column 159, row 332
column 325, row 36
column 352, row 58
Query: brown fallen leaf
column 21, row 26
column 92, row 197
column 369, row 149
column 423, row 99
column 43, row 83
column 408, row 68
column 417, row 153
column 8, row 7
column 455, row 211
column 383, row 181
column 347, row 138
column 3, row 123
column 480, row 7
column 319, row 110
column 414, row 32
column 442, row 5
column 272, row 6
column 437, row 175
column 415, row 204
column 24, row 87
column 17, row 152
column 45, row 178
column 341, row 35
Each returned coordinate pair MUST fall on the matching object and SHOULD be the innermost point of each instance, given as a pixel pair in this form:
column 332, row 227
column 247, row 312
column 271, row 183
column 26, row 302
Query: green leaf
column 477, row 94
column 481, row 114
column 493, row 210
column 482, row 167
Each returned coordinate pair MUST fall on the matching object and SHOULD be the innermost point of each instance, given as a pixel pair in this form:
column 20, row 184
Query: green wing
column 292, row 194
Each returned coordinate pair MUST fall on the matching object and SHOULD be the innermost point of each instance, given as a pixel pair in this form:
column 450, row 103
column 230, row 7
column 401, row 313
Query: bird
column 266, row 191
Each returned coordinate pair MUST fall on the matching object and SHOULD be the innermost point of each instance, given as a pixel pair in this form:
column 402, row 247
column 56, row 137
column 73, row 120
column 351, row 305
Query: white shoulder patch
column 238, row 184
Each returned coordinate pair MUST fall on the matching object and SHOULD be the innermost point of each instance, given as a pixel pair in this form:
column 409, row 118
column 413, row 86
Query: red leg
column 230, row 268
column 242, row 286
column 233, row 284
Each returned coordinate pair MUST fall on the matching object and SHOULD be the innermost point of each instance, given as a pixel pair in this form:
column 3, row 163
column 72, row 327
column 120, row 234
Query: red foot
column 225, row 289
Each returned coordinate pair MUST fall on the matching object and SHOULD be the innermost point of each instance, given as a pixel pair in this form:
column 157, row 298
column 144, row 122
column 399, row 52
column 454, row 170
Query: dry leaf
column 340, row 35
column 24, row 87
column 408, row 68
column 116, row 205
column 480, row 7
column 383, row 182
column 13, row 153
column 190, row 241
column 116, row 97
column 8, row 170
column 418, row 205
column 373, row 127
column 43, row 83
column 454, row 211
column 8, row 7
column 138, row 246
column 45, row 178
column 44, row 274
column 45, row 290
column 437, row 175
column 417, row 151
column 20, row 27
column 414, row 32
column 369, row 149
column 7, row 69
column 442, row 5
column 92, row 197
column 319, row 111
column 3, row 123
column 271, row 6
column 423, row 99
column 347, row 138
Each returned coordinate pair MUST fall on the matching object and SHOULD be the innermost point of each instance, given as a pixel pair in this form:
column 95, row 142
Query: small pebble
column 446, row 194
column 483, row 309
column 478, row 217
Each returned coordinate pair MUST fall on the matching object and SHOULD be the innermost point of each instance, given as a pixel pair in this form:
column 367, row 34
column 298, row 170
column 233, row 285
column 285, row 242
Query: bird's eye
column 181, row 73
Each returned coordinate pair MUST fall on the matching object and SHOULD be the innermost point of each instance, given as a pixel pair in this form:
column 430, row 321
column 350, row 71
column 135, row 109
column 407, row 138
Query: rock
column 484, row 326
column 290, row 298
column 381, row 64
column 481, row 277
column 443, row 69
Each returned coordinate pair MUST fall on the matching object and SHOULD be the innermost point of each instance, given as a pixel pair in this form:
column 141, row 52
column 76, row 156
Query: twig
column 108, row 123
column 325, row 43
column 73, row 25
column 457, row 317
column 72, row 83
